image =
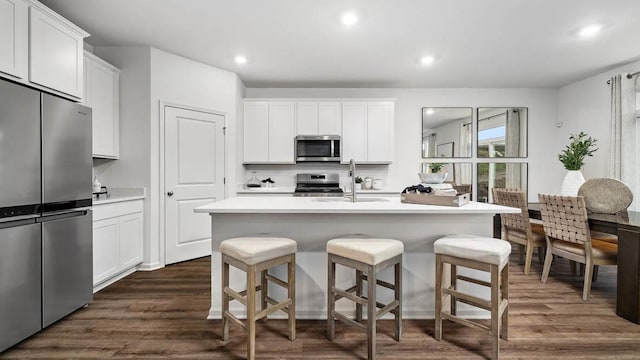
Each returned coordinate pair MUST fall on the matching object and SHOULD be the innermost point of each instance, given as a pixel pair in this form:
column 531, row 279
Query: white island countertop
column 335, row 205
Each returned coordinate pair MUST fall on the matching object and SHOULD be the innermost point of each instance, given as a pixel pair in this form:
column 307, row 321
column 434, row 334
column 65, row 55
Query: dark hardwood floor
column 161, row 314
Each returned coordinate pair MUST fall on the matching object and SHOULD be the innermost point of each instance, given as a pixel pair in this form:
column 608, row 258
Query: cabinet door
column 380, row 117
column 14, row 22
column 55, row 54
column 307, row 118
column 281, row 132
column 105, row 248
column 256, row 132
column 354, row 131
column 102, row 92
column 130, row 240
column 329, row 118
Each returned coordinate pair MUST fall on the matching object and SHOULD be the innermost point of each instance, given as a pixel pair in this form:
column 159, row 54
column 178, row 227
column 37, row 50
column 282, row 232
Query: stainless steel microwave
column 317, row 148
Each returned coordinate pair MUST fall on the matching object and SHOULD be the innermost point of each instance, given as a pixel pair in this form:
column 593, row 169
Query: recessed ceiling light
column 427, row 60
column 429, row 111
column 589, row 31
column 349, row 19
column 240, row 59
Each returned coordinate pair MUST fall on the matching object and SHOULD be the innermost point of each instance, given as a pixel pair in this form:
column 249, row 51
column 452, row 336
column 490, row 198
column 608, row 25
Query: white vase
column 571, row 183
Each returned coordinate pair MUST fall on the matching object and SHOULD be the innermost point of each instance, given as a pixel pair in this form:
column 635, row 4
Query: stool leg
column 291, row 293
column 371, row 311
column 264, row 292
column 225, row 300
column 251, row 312
column 398, row 297
column 454, row 286
column 359, row 294
column 331, row 326
column 495, row 312
column 504, row 332
column 438, row 326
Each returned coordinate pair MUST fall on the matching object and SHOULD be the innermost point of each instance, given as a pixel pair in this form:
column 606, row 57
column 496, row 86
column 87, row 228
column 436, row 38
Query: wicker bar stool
column 367, row 257
column 479, row 253
column 255, row 255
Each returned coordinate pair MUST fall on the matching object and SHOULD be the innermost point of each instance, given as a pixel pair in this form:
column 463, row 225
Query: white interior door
column 194, row 176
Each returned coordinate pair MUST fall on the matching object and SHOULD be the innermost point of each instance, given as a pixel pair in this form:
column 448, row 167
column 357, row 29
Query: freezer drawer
column 66, row 150
column 67, row 264
column 20, row 279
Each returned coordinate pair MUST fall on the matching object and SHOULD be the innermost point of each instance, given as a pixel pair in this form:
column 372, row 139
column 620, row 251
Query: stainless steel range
column 318, row 185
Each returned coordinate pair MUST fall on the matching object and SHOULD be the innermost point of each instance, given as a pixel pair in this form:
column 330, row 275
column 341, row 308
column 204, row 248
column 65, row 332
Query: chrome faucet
column 352, row 173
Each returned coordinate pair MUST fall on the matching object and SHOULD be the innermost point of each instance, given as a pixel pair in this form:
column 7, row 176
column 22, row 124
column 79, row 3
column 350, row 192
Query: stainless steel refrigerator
column 45, row 210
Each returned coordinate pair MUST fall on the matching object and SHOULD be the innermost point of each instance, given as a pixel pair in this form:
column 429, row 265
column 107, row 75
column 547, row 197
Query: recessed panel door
column 194, row 176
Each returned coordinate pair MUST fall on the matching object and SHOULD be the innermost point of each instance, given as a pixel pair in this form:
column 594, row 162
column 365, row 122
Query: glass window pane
column 500, row 175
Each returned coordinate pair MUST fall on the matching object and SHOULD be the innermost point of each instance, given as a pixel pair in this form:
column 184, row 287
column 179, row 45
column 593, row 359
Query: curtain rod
column 629, row 76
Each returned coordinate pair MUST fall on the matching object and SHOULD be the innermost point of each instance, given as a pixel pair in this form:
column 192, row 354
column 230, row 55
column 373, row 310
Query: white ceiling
column 301, row 43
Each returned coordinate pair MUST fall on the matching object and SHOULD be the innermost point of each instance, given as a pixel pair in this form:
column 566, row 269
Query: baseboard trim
column 150, row 266
column 112, row 280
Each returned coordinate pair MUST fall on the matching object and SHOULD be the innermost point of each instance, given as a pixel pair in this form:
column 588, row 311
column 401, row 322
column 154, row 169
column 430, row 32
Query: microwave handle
column 333, row 144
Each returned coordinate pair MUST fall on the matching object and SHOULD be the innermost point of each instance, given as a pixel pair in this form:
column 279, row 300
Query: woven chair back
column 514, row 198
column 565, row 218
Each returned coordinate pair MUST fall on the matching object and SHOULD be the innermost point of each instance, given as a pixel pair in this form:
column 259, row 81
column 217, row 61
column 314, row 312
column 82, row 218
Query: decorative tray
column 429, row 199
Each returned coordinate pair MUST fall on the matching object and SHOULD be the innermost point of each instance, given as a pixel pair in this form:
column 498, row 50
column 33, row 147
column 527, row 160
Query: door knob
column 170, row 193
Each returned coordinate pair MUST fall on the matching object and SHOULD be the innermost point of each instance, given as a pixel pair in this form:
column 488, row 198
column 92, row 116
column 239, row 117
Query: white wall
column 585, row 106
column 151, row 76
column 545, row 171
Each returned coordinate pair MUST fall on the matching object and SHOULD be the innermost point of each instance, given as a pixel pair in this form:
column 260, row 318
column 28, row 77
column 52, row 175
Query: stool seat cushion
column 368, row 251
column 483, row 249
column 254, row 250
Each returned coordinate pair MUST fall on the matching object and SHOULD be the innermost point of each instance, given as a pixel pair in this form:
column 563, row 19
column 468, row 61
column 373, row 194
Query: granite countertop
column 119, row 194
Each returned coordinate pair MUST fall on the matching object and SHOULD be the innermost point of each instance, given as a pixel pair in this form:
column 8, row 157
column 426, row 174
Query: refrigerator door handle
column 64, row 214
column 17, row 219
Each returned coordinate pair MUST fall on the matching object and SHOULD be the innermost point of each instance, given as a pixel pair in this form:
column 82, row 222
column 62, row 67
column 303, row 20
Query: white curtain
column 623, row 161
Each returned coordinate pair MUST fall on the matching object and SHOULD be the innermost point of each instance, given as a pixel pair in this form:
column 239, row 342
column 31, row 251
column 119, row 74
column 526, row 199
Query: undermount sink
column 345, row 199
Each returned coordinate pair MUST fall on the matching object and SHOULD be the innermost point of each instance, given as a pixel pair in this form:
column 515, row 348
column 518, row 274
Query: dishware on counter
column 97, row 186
column 376, row 184
column 368, row 183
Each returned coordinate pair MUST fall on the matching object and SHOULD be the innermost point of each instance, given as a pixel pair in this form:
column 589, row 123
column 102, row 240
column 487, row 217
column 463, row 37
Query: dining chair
column 567, row 234
column 518, row 228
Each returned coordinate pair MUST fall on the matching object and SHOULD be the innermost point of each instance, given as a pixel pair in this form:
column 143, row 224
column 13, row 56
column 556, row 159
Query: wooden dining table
column 626, row 225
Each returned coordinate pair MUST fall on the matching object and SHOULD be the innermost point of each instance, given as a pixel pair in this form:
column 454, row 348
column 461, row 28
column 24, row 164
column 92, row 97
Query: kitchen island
column 312, row 221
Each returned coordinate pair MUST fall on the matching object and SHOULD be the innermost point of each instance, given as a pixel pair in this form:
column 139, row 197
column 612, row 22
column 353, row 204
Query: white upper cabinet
column 354, row 131
column 269, row 131
column 102, row 93
column 367, row 131
column 318, row 118
column 55, row 53
column 40, row 48
column 256, row 132
column 281, row 132
column 14, row 38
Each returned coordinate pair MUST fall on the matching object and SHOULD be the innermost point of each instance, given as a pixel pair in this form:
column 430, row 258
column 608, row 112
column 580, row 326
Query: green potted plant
column 436, row 167
column 572, row 157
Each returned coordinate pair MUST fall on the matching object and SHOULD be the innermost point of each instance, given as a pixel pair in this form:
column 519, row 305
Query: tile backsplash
column 285, row 175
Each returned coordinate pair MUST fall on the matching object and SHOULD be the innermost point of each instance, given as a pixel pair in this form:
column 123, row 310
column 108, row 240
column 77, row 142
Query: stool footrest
column 474, row 281
column 274, row 308
column 346, row 320
column 277, row 281
column 347, row 294
column 381, row 283
column 273, row 301
column 466, row 322
column 468, row 299
column 234, row 319
column 389, row 307
column 239, row 296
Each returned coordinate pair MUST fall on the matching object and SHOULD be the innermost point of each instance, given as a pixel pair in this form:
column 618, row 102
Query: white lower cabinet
column 117, row 241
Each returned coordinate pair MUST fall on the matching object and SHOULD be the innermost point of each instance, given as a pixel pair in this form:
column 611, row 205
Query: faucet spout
column 352, row 173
